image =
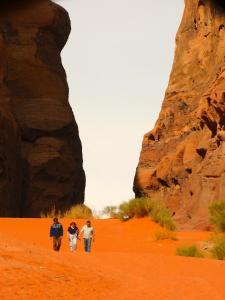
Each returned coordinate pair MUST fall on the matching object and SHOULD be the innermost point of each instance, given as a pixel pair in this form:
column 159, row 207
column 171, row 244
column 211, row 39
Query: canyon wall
column 182, row 161
column 40, row 148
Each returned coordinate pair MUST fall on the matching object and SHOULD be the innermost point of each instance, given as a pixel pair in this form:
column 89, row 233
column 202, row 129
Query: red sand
column 125, row 264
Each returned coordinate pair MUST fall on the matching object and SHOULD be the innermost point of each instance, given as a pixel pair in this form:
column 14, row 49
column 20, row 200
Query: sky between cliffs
column 118, row 60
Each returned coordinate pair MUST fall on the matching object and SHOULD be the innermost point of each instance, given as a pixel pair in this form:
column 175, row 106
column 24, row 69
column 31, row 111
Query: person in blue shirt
column 56, row 233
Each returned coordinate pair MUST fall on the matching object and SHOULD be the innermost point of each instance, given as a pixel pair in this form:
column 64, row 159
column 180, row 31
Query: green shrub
column 165, row 234
column 111, row 211
column 217, row 215
column 162, row 216
column 189, row 251
column 142, row 207
column 218, row 250
column 135, row 208
column 79, row 211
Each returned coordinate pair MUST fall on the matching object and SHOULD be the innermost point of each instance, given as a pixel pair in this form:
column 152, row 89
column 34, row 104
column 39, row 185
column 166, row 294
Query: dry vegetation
column 80, row 211
column 217, row 217
column 165, row 234
column 142, row 207
column 189, row 251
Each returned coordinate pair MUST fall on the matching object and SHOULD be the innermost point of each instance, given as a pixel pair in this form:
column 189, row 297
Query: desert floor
column 126, row 263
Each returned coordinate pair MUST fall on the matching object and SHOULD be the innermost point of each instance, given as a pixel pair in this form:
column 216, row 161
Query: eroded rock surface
column 40, row 149
column 183, row 158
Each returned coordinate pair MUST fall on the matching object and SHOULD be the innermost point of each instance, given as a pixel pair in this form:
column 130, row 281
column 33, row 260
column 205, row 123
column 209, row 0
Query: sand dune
column 125, row 264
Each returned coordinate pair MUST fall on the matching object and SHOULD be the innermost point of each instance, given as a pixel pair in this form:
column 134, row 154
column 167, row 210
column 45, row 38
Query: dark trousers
column 56, row 243
column 87, row 245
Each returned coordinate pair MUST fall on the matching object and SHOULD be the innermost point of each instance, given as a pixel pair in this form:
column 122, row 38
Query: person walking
column 88, row 235
column 73, row 235
column 56, row 233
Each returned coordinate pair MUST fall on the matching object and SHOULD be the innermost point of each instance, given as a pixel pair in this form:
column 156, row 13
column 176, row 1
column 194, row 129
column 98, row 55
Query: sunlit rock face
column 40, row 149
column 182, row 161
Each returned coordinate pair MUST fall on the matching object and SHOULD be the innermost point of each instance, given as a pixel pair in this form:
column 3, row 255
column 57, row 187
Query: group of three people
column 56, row 233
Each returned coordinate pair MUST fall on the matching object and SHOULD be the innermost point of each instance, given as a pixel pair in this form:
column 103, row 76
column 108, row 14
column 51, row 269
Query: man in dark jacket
column 56, row 232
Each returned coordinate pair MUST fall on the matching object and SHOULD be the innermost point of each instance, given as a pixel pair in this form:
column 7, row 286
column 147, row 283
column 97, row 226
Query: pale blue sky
column 118, row 61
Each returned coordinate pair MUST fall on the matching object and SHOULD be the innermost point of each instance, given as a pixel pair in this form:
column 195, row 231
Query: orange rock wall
column 40, row 149
column 182, row 161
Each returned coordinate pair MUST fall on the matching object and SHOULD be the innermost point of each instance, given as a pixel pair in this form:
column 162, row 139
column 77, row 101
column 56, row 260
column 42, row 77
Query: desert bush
column 111, row 211
column 161, row 215
column 135, row 208
column 79, row 211
column 165, row 234
column 217, row 215
column 142, row 207
column 218, row 250
column 189, row 251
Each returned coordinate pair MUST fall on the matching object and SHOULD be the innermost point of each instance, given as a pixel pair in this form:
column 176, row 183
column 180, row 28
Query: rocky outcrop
column 182, row 161
column 40, row 149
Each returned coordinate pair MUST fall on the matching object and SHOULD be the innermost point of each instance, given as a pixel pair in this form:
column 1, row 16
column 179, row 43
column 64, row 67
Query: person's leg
column 89, row 245
column 85, row 244
column 58, row 243
column 54, row 243
column 74, row 243
column 71, row 242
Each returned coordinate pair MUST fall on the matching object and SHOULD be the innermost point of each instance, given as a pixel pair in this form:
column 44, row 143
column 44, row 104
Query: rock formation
column 182, row 161
column 40, row 149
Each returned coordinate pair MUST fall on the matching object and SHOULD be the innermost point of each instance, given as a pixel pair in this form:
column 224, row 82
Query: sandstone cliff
column 40, row 149
column 182, row 161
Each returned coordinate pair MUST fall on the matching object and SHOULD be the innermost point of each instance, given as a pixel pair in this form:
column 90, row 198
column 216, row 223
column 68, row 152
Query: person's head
column 55, row 220
column 73, row 224
column 88, row 223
